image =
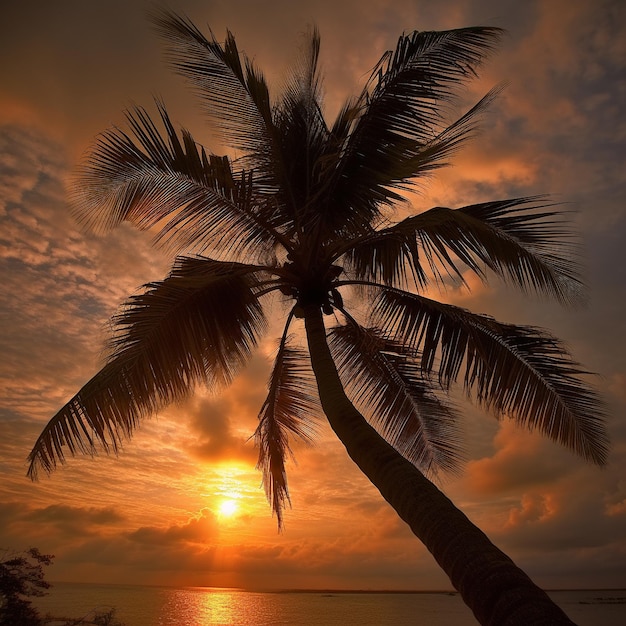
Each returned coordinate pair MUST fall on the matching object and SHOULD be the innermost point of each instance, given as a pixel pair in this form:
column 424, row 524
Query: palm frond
column 232, row 90
column 193, row 200
column 288, row 409
column 519, row 371
column 385, row 377
column 401, row 131
column 433, row 154
column 302, row 130
column 523, row 240
column 197, row 325
column 387, row 255
column 408, row 86
column 235, row 95
column 304, row 86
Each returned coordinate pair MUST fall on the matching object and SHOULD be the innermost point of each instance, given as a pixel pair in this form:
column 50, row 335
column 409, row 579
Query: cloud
column 59, row 286
column 200, row 529
column 73, row 518
column 218, row 443
column 55, row 523
column 542, row 508
column 515, row 464
column 556, row 518
column 223, row 424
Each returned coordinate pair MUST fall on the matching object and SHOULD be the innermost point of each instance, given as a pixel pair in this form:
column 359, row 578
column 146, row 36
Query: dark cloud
column 225, row 424
column 56, row 524
column 216, row 441
column 74, row 518
column 200, row 529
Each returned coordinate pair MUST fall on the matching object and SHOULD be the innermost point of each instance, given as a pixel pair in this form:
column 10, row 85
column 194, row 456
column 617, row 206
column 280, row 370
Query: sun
column 230, row 492
column 228, row 508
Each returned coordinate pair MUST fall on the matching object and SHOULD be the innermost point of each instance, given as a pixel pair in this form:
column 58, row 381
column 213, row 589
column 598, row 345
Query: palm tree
column 302, row 218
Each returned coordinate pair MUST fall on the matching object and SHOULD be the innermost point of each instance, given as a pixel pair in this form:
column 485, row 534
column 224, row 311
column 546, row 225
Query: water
column 201, row 606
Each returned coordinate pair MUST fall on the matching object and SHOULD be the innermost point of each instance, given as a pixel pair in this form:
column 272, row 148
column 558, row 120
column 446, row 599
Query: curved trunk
column 495, row 589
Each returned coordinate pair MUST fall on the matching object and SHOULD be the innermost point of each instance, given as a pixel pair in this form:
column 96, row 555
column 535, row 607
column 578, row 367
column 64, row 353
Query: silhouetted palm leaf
column 198, row 325
column 290, row 406
column 234, row 94
column 386, row 379
column 518, row 239
column 400, row 132
column 304, row 137
column 190, row 199
column 518, row 371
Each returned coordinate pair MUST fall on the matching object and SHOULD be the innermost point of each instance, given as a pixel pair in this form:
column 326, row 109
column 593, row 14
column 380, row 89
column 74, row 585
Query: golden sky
column 183, row 503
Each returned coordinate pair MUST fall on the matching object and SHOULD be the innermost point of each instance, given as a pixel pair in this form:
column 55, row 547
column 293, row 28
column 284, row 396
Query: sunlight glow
column 233, row 493
column 228, row 508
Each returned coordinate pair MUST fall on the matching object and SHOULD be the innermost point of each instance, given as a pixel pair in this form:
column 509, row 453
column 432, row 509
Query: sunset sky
column 159, row 513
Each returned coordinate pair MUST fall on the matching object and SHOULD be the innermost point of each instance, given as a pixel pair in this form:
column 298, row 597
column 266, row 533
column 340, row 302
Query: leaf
column 385, row 377
column 400, row 132
column 387, row 255
column 303, row 135
column 290, row 405
column 198, row 325
column 519, row 371
column 233, row 93
column 520, row 239
column 192, row 200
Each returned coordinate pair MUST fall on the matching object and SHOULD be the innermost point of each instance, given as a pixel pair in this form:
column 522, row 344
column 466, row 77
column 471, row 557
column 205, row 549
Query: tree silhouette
column 22, row 577
column 303, row 218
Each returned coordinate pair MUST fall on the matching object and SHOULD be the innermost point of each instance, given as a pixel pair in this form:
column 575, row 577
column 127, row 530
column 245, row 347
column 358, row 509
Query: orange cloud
column 521, row 460
column 533, row 509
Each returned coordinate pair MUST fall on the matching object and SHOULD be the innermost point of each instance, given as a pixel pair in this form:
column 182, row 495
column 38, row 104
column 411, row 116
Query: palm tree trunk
column 495, row 589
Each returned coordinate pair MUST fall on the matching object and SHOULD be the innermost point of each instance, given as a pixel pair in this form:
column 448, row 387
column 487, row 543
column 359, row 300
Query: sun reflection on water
column 200, row 606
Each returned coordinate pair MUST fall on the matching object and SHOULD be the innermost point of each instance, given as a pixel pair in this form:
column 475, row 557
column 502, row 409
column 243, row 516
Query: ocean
column 207, row 606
